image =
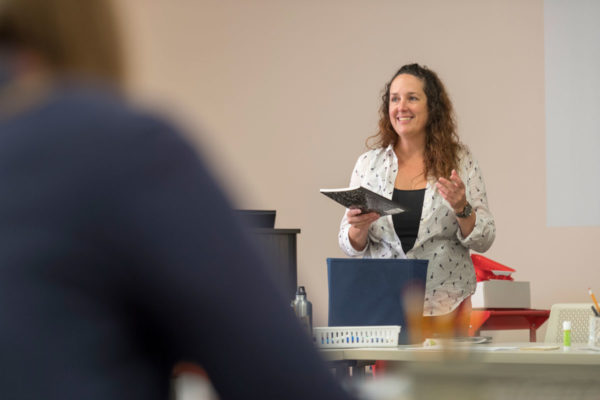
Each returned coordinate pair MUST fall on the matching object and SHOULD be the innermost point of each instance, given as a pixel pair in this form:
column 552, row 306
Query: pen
column 594, row 298
column 595, row 312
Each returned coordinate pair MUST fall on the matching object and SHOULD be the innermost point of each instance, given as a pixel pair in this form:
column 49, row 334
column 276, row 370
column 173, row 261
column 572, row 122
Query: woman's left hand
column 453, row 191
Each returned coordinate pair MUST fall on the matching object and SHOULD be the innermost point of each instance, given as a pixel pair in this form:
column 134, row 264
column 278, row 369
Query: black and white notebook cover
column 364, row 199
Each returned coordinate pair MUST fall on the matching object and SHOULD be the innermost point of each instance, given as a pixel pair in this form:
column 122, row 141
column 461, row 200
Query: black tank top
column 406, row 224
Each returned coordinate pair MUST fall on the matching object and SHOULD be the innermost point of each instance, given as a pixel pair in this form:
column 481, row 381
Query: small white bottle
column 566, row 335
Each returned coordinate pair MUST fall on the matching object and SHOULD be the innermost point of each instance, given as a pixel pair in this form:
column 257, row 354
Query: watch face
column 468, row 210
column 465, row 212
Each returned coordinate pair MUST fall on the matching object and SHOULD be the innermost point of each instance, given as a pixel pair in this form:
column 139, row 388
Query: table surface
column 502, row 353
column 513, row 374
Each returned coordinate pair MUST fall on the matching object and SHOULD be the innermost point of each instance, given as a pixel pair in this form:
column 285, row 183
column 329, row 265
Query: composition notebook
column 364, row 199
column 375, row 291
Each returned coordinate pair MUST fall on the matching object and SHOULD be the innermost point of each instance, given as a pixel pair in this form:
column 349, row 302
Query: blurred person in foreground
column 119, row 256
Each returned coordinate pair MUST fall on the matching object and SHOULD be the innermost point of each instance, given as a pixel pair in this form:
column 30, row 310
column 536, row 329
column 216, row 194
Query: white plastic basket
column 356, row 336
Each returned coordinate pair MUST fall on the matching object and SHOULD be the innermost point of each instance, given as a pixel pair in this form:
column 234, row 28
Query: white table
column 503, row 371
column 496, row 353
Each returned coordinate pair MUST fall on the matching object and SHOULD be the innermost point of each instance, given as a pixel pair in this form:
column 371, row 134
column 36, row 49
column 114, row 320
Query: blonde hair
column 73, row 37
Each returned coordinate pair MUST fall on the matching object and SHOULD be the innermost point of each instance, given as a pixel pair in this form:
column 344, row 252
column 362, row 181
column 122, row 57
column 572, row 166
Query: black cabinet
column 279, row 247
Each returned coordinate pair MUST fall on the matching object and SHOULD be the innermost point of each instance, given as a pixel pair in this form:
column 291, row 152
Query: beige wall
column 282, row 94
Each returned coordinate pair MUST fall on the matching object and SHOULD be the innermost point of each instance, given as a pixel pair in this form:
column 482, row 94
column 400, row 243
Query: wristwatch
column 465, row 212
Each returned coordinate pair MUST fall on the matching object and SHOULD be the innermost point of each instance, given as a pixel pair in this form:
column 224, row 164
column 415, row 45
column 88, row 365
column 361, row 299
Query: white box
column 501, row 294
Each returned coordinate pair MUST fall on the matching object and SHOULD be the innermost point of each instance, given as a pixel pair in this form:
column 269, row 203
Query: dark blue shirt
column 119, row 257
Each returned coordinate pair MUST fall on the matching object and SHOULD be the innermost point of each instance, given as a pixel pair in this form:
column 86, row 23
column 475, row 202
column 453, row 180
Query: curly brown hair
column 441, row 141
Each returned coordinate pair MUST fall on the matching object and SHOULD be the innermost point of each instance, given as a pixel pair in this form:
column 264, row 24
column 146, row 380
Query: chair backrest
column 579, row 315
column 377, row 291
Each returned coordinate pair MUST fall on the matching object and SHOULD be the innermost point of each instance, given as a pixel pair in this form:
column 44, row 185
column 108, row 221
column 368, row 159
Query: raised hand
column 453, row 191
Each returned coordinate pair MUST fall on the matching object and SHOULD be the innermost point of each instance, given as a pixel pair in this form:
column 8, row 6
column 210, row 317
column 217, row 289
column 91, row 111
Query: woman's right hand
column 359, row 227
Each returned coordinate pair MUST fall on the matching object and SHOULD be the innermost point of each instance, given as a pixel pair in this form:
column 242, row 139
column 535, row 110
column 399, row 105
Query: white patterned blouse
column 450, row 274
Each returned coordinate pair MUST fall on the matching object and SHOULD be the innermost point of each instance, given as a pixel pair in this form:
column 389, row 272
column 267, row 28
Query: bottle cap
column 567, row 325
column 301, row 291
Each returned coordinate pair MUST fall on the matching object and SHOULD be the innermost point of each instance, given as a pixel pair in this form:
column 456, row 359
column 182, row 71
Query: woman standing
column 418, row 160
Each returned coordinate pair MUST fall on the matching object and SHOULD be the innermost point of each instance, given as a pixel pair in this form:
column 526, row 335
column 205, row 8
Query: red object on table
column 507, row 318
column 484, row 269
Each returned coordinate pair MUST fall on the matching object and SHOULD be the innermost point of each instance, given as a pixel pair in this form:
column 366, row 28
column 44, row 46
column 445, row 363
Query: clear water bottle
column 303, row 309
